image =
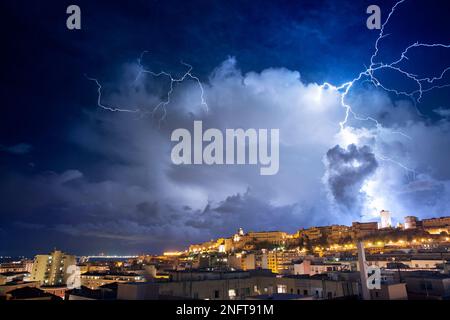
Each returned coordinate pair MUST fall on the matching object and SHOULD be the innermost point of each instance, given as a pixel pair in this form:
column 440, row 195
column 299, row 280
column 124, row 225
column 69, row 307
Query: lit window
column 281, row 288
column 232, row 293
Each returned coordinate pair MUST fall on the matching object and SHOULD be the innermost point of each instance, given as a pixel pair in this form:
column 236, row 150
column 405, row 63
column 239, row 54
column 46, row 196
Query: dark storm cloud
column 104, row 181
column 131, row 192
column 56, row 205
column 251, row 213
column 347, row 170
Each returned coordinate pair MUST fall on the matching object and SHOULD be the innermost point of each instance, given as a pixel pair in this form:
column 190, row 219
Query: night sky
column 87, row 180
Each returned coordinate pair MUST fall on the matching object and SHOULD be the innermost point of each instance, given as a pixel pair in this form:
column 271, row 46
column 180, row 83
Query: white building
column 52, row 269
column 386, row 221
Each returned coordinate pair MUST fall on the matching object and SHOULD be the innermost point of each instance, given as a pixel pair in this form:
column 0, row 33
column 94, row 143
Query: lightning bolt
column 424, row 85
column 187, row 75
column 164, row 102
column 368, row 74
column 102, row 105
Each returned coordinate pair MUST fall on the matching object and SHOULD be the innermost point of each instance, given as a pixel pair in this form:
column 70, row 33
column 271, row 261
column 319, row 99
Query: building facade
column 51, row 269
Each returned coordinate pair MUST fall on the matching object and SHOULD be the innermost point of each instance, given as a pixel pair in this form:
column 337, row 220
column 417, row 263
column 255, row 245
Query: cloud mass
column 347, row 170
column 135, row 194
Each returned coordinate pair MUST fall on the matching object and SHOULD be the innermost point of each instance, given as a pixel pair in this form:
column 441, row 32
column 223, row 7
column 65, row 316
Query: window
column 232, row 294
column 426, row 286
column 281, row 288
column 377, row 294
column 216, row 294
column 305, row 292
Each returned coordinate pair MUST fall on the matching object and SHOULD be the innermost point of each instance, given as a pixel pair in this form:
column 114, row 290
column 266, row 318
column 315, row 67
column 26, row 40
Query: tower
column 385, row 219
column 411, row 222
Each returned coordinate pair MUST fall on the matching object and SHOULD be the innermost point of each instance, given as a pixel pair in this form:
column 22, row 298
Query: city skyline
column 434, row 226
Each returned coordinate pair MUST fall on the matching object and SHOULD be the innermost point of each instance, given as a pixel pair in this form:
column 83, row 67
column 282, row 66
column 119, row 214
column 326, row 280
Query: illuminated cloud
column 116, row 187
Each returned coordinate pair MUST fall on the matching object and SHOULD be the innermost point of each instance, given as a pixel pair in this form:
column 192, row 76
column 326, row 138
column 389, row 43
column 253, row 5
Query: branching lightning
column 423, row 85
column 187, row 75
column 162, row 104
column 369, row 75
column 102, row 105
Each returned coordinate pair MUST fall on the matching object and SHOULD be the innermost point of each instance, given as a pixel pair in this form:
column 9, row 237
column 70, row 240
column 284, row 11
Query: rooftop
column 118, row 274
column 30, row 293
